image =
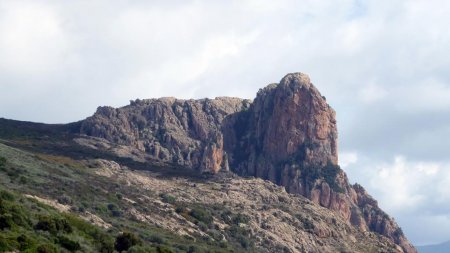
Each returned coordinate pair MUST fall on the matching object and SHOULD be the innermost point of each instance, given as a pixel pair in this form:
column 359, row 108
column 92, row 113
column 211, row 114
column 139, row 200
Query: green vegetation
column 309, row 173
column 201, row 215
column 28, row 225
column 2, row 162
column 328, row 173
column 167, row 198
column 125, row 241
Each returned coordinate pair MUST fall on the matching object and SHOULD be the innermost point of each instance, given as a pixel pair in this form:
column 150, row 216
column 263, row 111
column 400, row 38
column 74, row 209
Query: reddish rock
column 287, row 135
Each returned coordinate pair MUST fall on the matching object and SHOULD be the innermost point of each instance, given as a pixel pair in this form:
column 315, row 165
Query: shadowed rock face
column 287, row 135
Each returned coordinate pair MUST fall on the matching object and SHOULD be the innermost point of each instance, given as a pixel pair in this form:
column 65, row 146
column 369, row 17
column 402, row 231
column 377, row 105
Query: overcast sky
column 384, row 66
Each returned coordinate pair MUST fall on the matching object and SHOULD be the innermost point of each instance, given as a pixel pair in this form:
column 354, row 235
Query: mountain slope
column 287, row 135
column 194, row 149
column 221, row 214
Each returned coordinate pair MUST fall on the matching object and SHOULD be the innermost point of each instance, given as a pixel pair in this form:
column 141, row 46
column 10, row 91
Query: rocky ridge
column 278, row 221
column 287, row 135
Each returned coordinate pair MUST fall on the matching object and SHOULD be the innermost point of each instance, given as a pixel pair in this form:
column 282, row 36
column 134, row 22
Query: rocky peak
column 292, row 119
column 287, row 135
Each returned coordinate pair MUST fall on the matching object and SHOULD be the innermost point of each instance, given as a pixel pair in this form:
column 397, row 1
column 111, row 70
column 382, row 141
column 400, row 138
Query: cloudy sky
column 384, row 65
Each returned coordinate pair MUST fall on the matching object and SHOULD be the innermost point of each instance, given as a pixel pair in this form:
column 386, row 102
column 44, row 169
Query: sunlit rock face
column 287, row 135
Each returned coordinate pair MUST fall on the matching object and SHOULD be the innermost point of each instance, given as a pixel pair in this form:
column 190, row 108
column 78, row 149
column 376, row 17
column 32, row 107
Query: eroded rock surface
column 287, row 135
column 184, row 132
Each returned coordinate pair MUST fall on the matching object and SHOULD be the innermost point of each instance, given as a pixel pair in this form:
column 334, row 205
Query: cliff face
column 287, row 135
column 184, row 132
column 288, row 124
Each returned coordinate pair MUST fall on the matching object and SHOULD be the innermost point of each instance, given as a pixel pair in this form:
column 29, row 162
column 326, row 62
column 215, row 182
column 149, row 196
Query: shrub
column 25, row 242
column 156, row 239
column 245, row 243
column 140, row 249
column 115, row 211
column 193, row 249
column 162, row 249
column 5, row 195
column 201, row 215
column 240, row 235
column 180, row 209
column 125, row 241
column 308, row 224
column 2, row 162
column 112, row 207
column 23, row 180
column 53, row 225
column 5, row 244
column 20, row 216
column 167, row 198
column 69, row 244
column 46, row 248
column 65, row 200
column 6, row 221
column 106, row 244
column 240, row 218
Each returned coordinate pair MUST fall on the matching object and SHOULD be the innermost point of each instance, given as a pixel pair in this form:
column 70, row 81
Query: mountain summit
column 287, row 135
column 207, row 175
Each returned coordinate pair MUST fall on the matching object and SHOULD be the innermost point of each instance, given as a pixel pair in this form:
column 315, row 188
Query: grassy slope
column 30, row 226
column 72, row 183
column 43, row 160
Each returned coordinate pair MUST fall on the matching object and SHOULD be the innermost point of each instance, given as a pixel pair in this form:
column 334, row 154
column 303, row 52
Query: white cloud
column 410, row 191
column 372, row 93
column 32, row 40
column 398, row 184
column 428, row 95
column 347, row 158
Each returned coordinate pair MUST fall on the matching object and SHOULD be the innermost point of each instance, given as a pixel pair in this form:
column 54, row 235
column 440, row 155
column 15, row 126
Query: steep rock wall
column 287, row 135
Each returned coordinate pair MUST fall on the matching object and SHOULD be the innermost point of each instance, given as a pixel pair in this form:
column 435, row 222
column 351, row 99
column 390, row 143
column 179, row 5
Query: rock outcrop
column 287, row 135
column 183, row 132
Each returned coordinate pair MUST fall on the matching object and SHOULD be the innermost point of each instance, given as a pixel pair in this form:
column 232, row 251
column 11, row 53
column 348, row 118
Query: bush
column 125, row 241
column 65, row 200
column 115, row 211
column 2, row 162
column 20, row 216
column 156, row 239
column 240, row 218
column 23, row 180
column 162, row 249
column 180, row 209
column 6, row 221
column 141, row 249
column 201, row 215
column 240, row 235
column 5, row 244
column 25, row 242
column 245, row 243
column 112, row 207
column 46, row 248
column 5, row 195
column 106, row 244
column 167, row 198
column 69, row 244
column 53, row 225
